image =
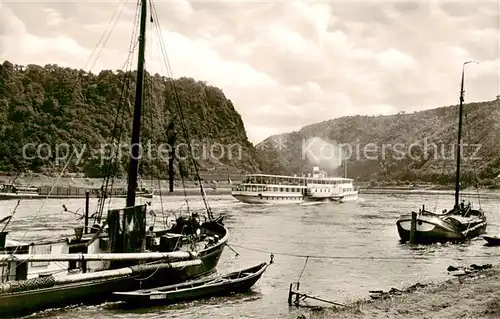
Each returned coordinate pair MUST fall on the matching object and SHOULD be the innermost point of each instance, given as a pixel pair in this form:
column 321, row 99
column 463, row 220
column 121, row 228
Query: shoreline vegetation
column 474, row 294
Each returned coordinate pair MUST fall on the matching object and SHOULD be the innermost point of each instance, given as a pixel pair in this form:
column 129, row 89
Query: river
column 346, row 237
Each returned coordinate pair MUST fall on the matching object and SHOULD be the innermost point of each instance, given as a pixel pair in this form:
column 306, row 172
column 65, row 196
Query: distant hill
column 53, row 105
column 398, row 146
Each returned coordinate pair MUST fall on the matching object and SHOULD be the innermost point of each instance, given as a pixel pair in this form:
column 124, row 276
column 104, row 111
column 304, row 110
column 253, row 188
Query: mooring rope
column 355, row 257
column 304, row 268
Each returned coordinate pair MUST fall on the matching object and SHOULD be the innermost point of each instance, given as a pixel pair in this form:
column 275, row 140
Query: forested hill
column 402, row 146
column 64, row 106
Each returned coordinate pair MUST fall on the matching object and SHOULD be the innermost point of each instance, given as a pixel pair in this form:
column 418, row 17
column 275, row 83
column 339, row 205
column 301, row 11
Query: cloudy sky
column 284, row 64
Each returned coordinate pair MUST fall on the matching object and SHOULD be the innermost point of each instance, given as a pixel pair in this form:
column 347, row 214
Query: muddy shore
column 473, row 295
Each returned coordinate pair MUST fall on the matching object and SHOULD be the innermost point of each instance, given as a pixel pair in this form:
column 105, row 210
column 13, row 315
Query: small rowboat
column 239, row 281
column 492, row 240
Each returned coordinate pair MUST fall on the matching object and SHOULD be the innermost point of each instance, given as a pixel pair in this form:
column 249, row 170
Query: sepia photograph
column 295, row 159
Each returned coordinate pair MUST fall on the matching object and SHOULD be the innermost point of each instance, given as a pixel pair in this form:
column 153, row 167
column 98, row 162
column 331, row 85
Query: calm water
column 345, row 234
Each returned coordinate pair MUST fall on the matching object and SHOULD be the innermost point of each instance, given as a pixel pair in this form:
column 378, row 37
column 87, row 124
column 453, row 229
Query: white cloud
column 199, row 60
column 460, row 53
column 182, row 8
column 55, row 17
column 284, row 64
column 394, row 59
column 23, row 48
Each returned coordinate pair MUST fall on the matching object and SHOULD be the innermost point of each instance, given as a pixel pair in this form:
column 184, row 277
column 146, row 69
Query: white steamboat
column 279, row 189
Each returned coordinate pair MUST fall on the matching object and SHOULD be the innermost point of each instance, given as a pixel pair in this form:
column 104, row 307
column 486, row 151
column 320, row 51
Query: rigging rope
column 152, row 90
column 111, row 166
column 474, row 166
column 102, row 42
column 43, row 203
column 105, row 36
column 150, row 85
column 179, row 108
column 170, row 126
column 9, row 218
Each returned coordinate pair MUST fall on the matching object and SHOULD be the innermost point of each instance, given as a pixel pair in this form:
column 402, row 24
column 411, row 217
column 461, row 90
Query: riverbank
column 41, row 180
column 475, row 295
column 193, row 191
column 74, row 187
column 472, row 192
column 399, row 185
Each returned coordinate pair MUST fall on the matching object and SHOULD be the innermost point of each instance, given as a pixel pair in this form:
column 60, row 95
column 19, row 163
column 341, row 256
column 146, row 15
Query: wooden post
column 290, row 295
column 171, row 171
column 413, row 228
column 87, row 198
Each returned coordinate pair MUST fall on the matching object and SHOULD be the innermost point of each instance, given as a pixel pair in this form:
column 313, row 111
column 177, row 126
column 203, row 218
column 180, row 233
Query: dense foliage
column 423, row 162
column 64, row 106
column 54, row 106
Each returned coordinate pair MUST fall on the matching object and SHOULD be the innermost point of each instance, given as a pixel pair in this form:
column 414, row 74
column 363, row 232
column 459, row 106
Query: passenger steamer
column 278, row 189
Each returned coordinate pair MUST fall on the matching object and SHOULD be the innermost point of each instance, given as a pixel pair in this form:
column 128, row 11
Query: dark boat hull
column 204, row 288
column 492, row 240
column 97, row 291
column 433, row 229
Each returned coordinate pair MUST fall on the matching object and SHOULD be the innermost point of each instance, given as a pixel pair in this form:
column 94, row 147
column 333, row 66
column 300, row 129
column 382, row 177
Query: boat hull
column 97, row 291
column 433, row 229
column 270, row 200
column 194, row 290
column 350, row 197
column 341, row 198
column 492, row 240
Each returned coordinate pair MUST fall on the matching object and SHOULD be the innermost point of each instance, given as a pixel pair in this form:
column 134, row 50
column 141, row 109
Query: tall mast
column 459, row 145
column 136, row 124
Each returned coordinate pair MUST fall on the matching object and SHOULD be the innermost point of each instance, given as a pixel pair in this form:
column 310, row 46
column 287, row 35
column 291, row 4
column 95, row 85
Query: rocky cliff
column 49, row 114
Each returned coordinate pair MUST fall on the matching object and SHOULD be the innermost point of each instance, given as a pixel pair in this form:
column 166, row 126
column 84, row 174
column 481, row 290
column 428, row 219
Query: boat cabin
column 22, row 270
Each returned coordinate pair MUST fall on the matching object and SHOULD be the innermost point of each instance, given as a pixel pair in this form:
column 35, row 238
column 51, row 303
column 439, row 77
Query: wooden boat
column 492, row 240
column 462, row 222
column 239, row 281
column 33, row 282
column 454, row 226
column 80, row 269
